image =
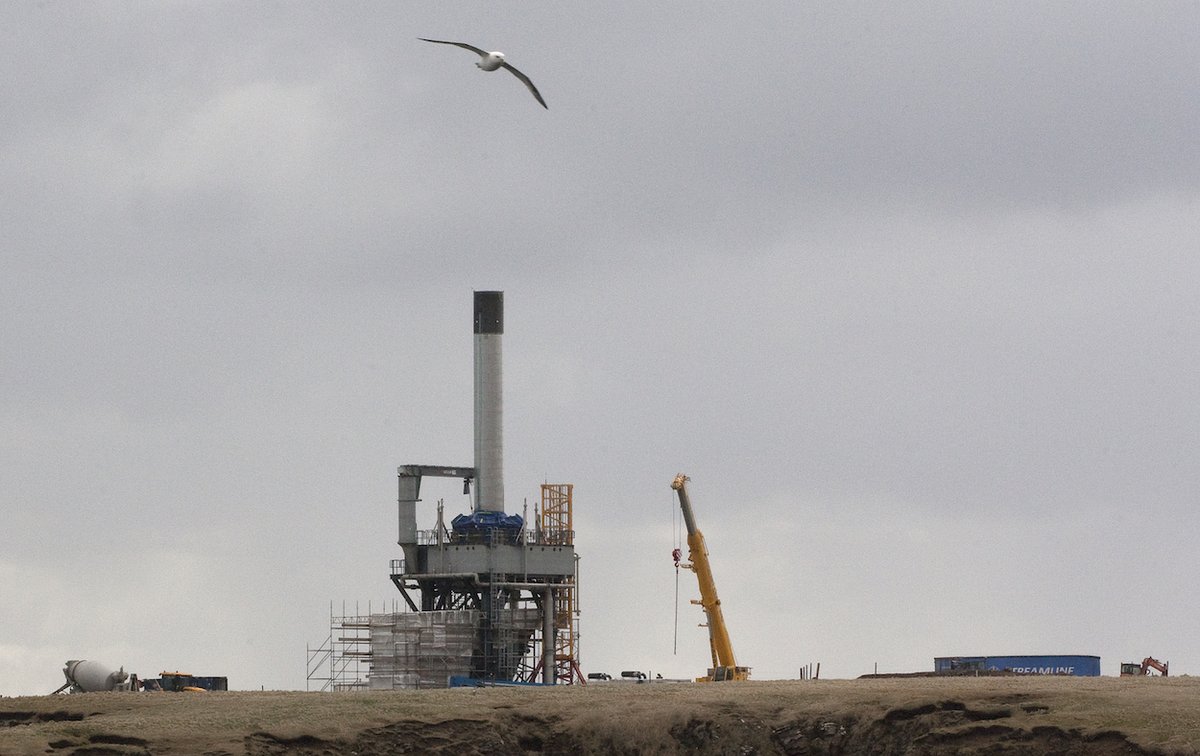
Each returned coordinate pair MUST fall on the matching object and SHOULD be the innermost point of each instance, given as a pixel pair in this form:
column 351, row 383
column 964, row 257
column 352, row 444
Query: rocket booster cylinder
column 489, row 408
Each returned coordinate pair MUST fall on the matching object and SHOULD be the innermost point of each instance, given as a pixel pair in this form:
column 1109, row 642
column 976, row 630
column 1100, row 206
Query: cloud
column 908, row 292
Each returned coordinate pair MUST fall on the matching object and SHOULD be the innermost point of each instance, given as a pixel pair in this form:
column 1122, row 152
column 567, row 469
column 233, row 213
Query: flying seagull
column 490, row 62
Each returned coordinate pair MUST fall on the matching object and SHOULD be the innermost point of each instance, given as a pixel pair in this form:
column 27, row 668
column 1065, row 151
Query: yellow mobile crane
column 724, row 667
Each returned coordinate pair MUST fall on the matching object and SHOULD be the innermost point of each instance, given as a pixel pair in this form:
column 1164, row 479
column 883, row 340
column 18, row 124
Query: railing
column 498, row 536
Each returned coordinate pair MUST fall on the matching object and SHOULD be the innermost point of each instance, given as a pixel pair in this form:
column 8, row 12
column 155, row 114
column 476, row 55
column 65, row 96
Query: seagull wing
column 463, row 45
column 536, row 94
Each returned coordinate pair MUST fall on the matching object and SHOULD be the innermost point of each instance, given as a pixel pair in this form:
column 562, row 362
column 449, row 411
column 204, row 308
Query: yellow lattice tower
column 558, row 529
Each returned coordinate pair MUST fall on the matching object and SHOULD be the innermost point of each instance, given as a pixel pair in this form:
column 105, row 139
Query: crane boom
column 1150, row 663
column 724, row 666
column 1133, row 669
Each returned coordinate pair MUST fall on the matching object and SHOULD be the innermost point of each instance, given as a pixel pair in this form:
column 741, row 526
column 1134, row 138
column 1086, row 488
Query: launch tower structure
column 488, row 570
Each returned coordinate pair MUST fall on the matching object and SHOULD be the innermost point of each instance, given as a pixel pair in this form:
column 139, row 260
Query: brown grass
column 922, row 715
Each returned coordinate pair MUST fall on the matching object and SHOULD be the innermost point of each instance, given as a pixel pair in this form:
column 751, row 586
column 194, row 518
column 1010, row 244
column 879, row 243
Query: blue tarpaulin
column 487, row 525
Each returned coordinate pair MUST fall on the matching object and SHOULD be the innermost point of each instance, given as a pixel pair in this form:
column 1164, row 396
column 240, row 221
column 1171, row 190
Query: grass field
column 1012, row 715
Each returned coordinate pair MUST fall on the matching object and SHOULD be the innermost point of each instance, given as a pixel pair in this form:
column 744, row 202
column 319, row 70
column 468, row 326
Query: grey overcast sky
column 910, row 290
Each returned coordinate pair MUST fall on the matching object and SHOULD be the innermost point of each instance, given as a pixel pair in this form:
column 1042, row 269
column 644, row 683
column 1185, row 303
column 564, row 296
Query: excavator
column 724, row 668
column 1133, row 669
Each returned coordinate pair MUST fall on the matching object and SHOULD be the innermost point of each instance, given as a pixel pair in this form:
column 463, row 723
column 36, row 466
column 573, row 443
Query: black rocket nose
column 489, row 312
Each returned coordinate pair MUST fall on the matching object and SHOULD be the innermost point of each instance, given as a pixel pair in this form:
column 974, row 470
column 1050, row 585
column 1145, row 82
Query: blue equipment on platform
column 486, row 527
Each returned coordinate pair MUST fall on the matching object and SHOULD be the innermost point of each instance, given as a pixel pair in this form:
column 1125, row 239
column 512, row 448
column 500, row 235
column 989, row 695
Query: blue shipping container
column 1080, row 666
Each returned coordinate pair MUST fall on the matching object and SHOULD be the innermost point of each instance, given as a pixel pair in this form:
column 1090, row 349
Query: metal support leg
column 548, row 668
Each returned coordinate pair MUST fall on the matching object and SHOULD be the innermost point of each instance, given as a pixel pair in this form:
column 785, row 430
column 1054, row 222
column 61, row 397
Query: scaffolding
column 414, row 650
column 476, row 607
column 556, row 527
column 342, row 662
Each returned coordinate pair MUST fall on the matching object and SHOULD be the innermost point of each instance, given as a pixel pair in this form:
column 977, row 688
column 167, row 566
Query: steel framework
column 342, row 662
column 556, row 527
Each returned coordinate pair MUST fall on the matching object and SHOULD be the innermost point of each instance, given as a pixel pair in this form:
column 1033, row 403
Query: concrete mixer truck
column 84, row 676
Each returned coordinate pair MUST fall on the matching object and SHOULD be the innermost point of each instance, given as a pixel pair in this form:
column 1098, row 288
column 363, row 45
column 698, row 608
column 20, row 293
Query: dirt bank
column 902, row 716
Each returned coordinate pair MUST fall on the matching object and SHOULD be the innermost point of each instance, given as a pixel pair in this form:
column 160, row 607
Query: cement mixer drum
column 86, row 676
